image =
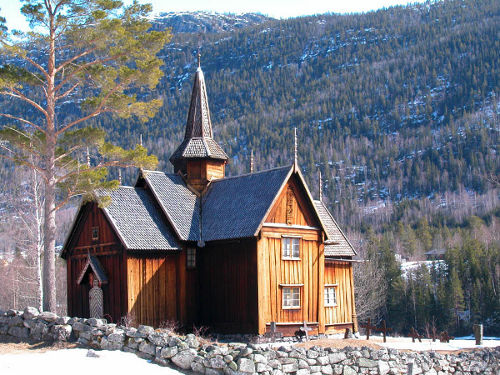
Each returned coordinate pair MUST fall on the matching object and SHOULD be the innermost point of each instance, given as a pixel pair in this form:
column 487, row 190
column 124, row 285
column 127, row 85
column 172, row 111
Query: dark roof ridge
column 251, row 174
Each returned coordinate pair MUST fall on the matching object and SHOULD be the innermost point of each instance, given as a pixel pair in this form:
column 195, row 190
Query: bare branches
column 69, row 91
column 19, row 95
column 39, row 128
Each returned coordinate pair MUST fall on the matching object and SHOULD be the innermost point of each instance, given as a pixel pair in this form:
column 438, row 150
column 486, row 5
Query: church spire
column 198, row 144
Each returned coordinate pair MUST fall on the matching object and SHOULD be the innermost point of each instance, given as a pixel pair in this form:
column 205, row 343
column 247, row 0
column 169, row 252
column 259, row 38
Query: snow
column 427, row 344
column 76, row 362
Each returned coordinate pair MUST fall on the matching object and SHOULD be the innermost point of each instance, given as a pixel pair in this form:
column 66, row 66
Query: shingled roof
column 224, row 217
column 137, row 220
column 337, row 244
column 198, row 139
column 179, row 204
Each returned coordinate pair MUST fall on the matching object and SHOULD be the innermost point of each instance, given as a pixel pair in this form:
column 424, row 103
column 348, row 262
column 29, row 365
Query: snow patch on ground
column 428, row 345
column 76, row 362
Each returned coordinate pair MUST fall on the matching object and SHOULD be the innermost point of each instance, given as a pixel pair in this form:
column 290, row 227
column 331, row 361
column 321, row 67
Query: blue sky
column 273, row 8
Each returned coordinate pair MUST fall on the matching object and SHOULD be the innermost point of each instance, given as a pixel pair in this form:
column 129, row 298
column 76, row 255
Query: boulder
column 48, row 316
column 169, row 352
column 183, row 359
column 246, row 365
column 30, row 312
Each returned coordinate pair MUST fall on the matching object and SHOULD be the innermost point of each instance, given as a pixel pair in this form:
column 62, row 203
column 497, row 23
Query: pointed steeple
column 198, row 143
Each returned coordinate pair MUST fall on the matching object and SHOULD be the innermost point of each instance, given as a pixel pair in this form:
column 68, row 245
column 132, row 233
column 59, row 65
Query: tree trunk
column 49, row 241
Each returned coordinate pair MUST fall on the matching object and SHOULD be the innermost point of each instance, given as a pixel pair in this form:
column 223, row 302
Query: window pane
column 291, row 297
column 295, row 247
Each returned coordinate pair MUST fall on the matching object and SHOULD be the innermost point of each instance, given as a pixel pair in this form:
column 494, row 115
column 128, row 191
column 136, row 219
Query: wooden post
column 368, row 328
column 306, row 330
column 384, row 330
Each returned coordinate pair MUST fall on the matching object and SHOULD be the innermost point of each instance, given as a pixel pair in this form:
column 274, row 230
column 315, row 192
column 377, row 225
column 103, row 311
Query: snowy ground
column 427, row 344
column 76, row 362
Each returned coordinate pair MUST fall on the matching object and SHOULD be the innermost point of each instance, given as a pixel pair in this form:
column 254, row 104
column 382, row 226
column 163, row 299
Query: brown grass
column 12, row 345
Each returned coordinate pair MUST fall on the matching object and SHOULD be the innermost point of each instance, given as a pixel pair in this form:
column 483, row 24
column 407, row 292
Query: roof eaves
column 70, row 233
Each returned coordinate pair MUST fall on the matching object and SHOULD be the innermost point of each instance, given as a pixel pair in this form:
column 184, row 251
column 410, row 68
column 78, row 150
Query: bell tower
column 199, row 158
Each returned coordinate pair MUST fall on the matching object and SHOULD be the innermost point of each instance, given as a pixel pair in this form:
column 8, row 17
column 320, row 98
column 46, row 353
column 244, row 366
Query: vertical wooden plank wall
column 339, row 273
column 109, row 251
column 152, row 289
column 274, row 271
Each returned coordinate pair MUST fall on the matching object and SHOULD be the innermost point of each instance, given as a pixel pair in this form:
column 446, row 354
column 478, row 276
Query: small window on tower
column 95, row 233
column 191, row 258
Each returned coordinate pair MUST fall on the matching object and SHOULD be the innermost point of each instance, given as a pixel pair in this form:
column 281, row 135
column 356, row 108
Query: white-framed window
column 330, row 296
column 291, row 297
column 191, row 258
column 290, row 247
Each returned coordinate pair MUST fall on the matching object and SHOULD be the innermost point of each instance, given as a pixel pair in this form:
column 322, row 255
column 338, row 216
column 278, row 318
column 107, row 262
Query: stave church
column 237, row 254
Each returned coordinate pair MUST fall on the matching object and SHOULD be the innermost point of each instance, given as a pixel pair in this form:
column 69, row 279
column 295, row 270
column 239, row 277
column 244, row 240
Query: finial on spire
column 140, row 140
column 119, row 176
column 295, row 163
column 88, row 158
column 251, row 162
column 320, row 182
column 199, row 59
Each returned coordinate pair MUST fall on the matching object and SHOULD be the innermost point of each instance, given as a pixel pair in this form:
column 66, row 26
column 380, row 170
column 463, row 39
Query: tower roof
column 198, row 140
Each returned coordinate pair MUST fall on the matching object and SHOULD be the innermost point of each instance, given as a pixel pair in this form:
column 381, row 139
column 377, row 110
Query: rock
column 259, row 358
column 324, row 360
column 198, row 367
column 16, row 321
column 336, row 357
column 62, row 332
column 92, row 354
column 383, row 367
column 30, row 312
column 20, row 332
column 246, row 365
column 94, row 322
column 327, row 370
column 183, row 359
column 192, row 341
column 302, row 372
column 48, row 316
column 144, row 331
column 147, row 348
column 39, row 331
column 364, row 362
column 117, row 337
column 312, row 354
column 211, row 371
column 158, row 338
column 169, row 352
column 303, row 364
column 80, row 327
column 63, row 320
column 290, row 367
column 233, row 365
column 11, row 312
column 217, row 362
column 349, row 371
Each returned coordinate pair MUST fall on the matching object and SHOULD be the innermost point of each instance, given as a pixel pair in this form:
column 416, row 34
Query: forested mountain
column 399, row 108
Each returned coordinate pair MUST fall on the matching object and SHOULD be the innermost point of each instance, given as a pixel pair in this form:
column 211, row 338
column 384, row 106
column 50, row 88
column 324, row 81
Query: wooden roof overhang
column 96, row 267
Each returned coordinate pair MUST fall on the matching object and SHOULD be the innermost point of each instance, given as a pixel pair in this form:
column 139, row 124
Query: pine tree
column 87, row 51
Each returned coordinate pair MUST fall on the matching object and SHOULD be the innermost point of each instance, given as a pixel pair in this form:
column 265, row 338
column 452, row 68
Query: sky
column 274, row 8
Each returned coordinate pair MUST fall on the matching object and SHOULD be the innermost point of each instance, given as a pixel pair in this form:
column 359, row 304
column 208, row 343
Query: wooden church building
column 231, row 253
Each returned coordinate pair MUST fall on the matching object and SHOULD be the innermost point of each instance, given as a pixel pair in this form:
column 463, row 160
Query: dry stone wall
column 202, row 357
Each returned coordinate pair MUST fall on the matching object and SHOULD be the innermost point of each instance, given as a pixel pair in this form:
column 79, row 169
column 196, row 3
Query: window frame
column 334, row 288
column 290, row 288
column 191, row 258
column 92, row 231
column 291, row 240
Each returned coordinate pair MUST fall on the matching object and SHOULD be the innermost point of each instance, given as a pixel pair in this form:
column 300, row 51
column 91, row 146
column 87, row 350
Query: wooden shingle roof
column 138, row 220
column 234, row 207
column 337, row 244
column 179, row 204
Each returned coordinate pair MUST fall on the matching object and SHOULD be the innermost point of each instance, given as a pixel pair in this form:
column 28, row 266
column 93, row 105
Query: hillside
column 398, row 108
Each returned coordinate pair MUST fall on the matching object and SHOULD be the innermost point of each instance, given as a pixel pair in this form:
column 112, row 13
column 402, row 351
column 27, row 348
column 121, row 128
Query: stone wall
column 208, row 358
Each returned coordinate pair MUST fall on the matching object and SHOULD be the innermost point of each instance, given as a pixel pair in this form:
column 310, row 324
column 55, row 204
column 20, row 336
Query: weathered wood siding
column 201, row 171
column 227, row 280
column 291, row 208
column 340, row 274
column 109, row 251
